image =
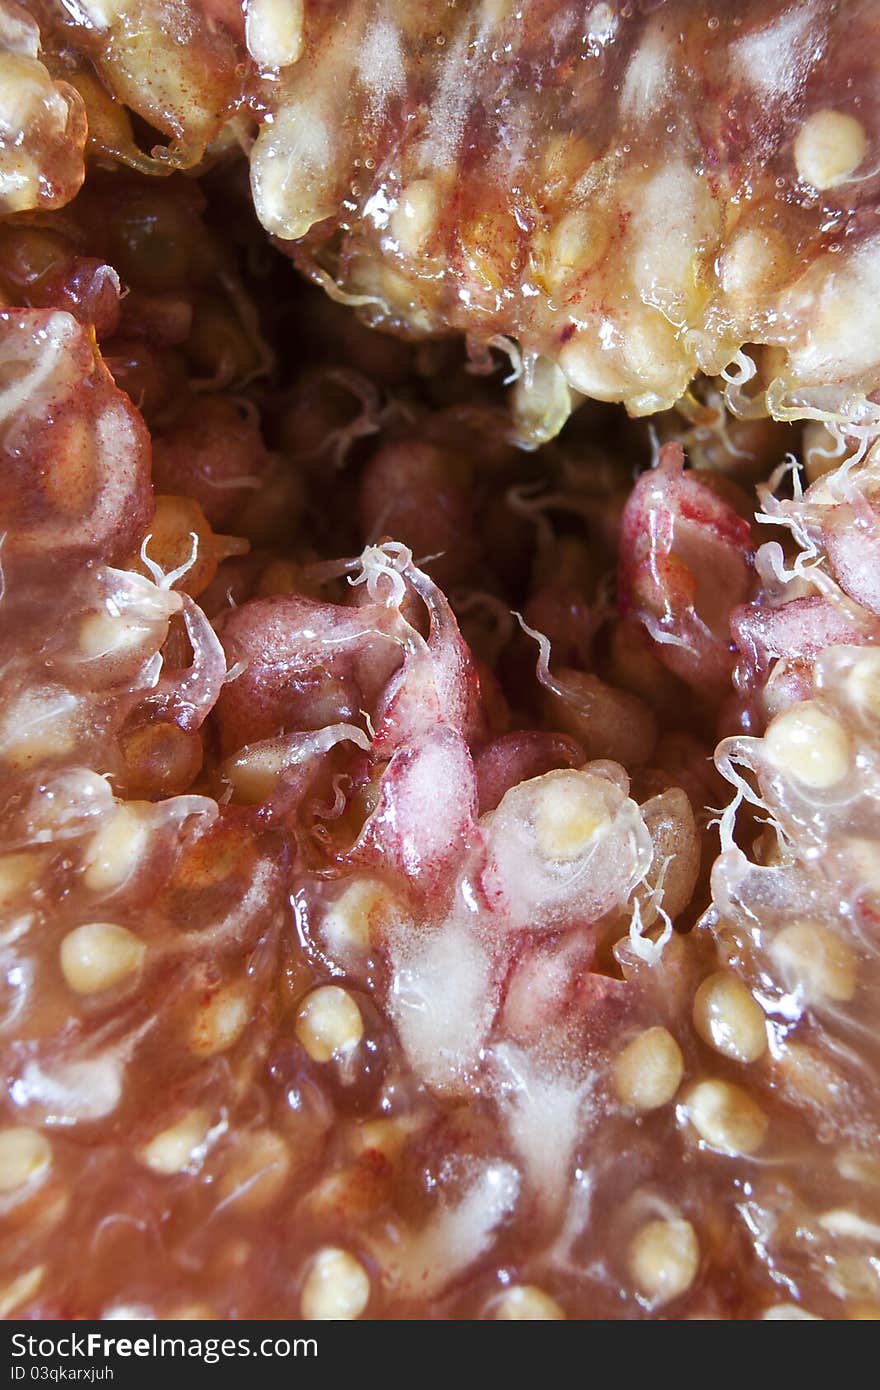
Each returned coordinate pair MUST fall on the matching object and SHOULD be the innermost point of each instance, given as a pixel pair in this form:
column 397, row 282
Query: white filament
column 644, row 946
column 160, row 578
column 382, row 566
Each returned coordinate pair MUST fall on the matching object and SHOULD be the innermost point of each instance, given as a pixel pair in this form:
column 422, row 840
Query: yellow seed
column 650, row 349
column 789, row 1312
column 274, row 31
column 728, row 1018
column 848, row 1225
column 41, row 724
column 51, row 1211
column 726, row 1118
column 359, row 915
column 828, row 148
column 863, row 869
column 192, row 1312
column 859, row 1167
column 570, row 809
column 648, row 1071
column 755, row 262
column 856, row 1275
column 863, row 682
column 257, row 1174
column 815, row 961
column 17, row 873
column 253, row 773
column 384, row 1136
column 542, row 403
column 220, row 1021
column 329, row 1023
column 25, row 1157
column 663, row 1260
column 567, row 159
column 172, row 1149
column 576, row 243
column 105, row 634
column 592, row 368
column 810, row 745
column 806, row 1071
column 115, row 851
column 292, row 173
column 336, row 1288
column 527, row 1303
column 99, row 955
column 19, row 1290
column 128, row 1312
column 415, row 216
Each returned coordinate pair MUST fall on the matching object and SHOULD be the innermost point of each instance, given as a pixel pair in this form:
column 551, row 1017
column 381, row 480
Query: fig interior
column 439, row 697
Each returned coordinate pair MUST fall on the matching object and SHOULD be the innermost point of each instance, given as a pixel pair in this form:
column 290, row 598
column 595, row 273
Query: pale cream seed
column 863, row 868
column 99, row 955
column 570, row 810
column 807, row 1072
column 192, row 1312
column 566, row 159
column 257, row 1173
column 116, row 850
column 220, row 1021
column 274, row 31
column 856, row 1275
column 575, row 244
column 415, row 216
column 648, row 1071
column 25, row 1157
column 848, row 1225
column 592, row 369
column 527, row 1303
column 105, row 634
column 858, row 1167
column 755, row 262
column 809, row 745
column 173, row 1149
column 815, row 961
column 254, row 773
column 649, row 349
column 828, row 148
column 788, row 1312
column 336, row 1288
column 329, row 1023
column 862, row 683
column 361, row 911
column 726, row 1118
column 128, row 1312
column 17, row 874
column 20, row 1289
column 41, row 724
column 728, row 1018
column 664, row 1258
column 292, row 169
